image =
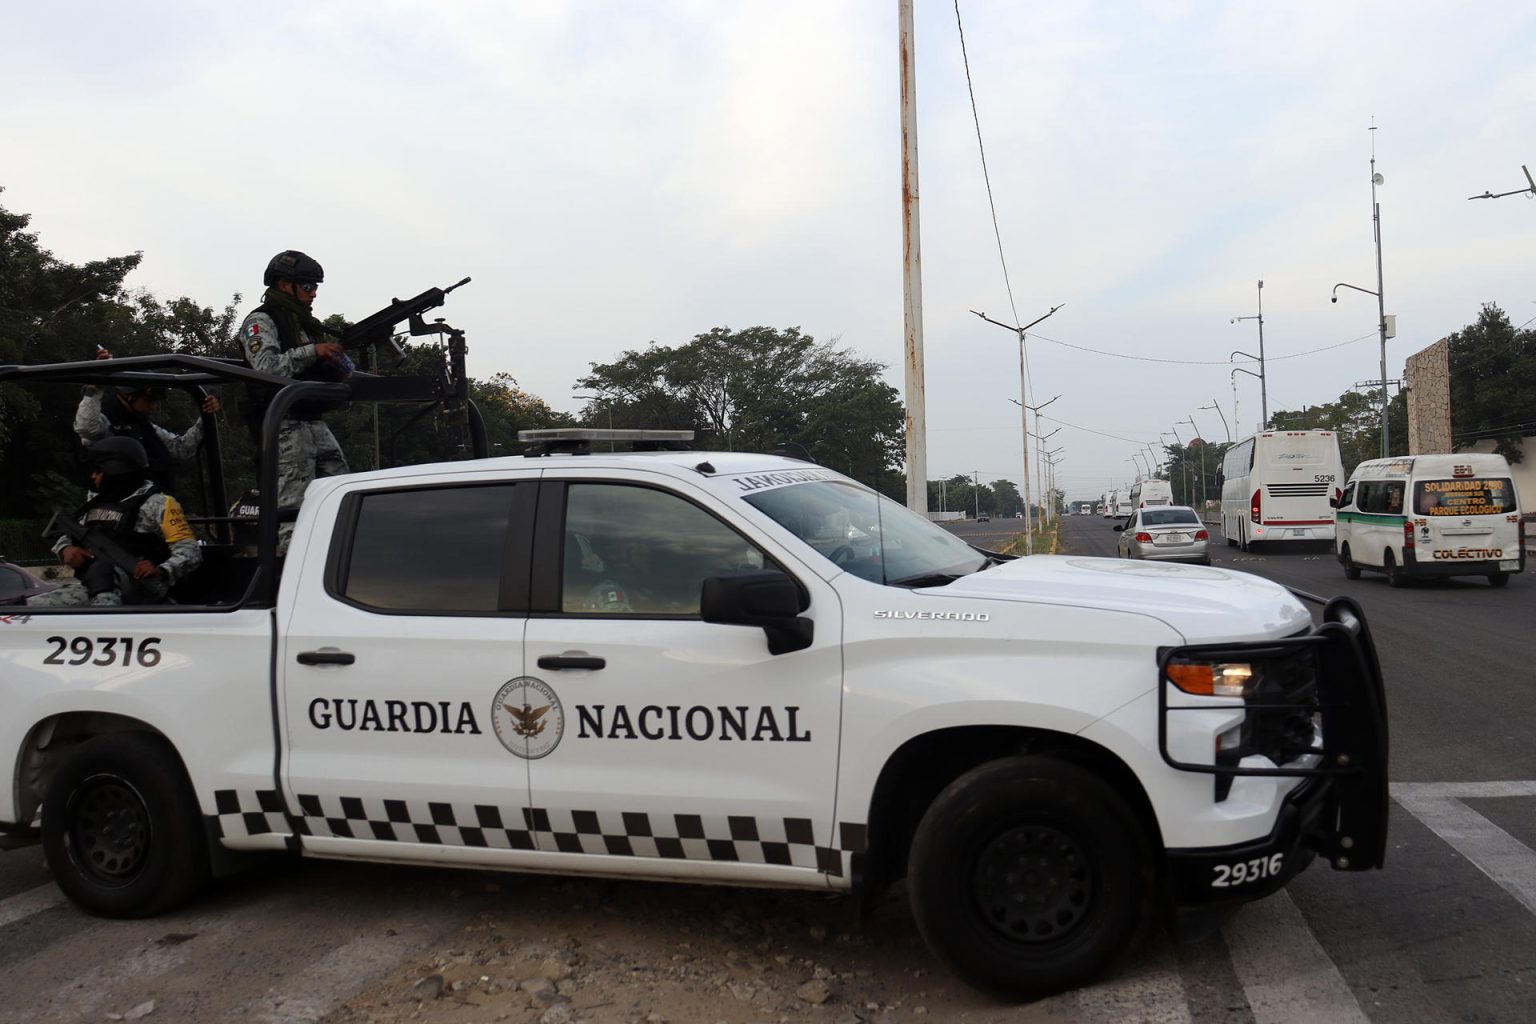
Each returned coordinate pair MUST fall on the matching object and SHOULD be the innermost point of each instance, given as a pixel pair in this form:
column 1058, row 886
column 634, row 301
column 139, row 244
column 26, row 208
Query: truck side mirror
column 1333, row 502
column 765, row 598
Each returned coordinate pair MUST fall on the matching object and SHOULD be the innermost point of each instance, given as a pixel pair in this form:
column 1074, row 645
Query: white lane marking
column 1147, row 993
column 33, row 901
column 1286, row 976
column 310, row 994
column 1495, row 852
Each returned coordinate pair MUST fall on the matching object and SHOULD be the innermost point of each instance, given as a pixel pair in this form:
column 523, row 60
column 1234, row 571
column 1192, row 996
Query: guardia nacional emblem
column 528, row 717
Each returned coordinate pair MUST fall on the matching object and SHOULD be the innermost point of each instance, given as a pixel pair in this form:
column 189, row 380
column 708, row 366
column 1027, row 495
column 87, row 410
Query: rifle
column 94, row 541
column 105, row 547
column 378, row 328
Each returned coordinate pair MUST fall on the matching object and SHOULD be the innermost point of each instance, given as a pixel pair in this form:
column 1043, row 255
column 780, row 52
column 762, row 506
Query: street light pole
column 1217, row 407
column 1381, row 302
column 1029, row 542
column 1197, row 437
column 1263, row 380
column 1183, row 460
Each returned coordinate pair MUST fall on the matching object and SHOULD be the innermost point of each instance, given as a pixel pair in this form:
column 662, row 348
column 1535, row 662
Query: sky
column 613, row 174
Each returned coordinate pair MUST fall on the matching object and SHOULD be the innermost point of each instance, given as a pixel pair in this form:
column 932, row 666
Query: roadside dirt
column 559, row 951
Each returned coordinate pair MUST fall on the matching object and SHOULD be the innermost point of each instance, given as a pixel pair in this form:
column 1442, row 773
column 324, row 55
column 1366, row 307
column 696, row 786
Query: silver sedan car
column 1166, row 533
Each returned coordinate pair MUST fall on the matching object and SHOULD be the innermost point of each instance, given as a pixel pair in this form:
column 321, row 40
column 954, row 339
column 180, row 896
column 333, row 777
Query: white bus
column 1277, row 484
column 1147, row 493
column 1107, row 504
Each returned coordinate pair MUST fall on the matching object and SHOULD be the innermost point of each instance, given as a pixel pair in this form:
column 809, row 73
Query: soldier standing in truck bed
column 283, row 338
column 128, row 411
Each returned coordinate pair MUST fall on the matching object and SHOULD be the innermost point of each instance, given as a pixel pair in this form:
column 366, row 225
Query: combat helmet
column 295, row 266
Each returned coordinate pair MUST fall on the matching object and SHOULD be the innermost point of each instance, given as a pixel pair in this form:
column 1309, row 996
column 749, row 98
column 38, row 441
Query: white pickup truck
column 705, row 667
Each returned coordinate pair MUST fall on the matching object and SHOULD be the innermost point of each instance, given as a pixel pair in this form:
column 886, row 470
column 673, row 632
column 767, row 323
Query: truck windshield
column 871, row 537
column 1487, row 497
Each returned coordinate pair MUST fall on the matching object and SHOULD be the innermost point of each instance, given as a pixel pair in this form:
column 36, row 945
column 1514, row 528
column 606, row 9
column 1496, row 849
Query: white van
column 1148, row 493
column 1431, row 516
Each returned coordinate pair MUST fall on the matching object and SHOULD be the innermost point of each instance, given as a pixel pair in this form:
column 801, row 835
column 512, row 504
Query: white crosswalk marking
column 1496, row 853
column 1286, row 976
column 33, row 901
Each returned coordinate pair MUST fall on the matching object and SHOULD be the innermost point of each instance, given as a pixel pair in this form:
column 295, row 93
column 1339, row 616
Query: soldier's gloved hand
column 75, row 557
column 211, row 404
column 145, row 569
column 330, row 351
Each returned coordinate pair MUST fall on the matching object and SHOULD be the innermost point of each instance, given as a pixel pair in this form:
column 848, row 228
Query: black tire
column 1499, row 579
column 121, row 827
column 1028, row 876
column 1351, row 570
column 1395, row 577
column 1242, row 536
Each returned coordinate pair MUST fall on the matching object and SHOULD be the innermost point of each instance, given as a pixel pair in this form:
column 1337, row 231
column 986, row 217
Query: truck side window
column 1349, row 496
column 431, row 551
column 637, row 550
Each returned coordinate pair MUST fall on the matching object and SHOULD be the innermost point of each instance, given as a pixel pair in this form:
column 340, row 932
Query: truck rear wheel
column 121, row 827
column 1028, row 876
column 1499, row 579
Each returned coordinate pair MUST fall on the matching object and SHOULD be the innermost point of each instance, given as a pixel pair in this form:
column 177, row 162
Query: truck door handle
column 326, row 657
column 559, row 661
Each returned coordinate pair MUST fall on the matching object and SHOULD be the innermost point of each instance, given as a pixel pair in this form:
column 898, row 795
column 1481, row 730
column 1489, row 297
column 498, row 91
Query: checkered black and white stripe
column 791, row 842
column 417, row 821
column 244, row 812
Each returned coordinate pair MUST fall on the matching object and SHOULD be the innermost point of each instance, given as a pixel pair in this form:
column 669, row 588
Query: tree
column 1356, row 419
column 1493, row 383
column 759, row 389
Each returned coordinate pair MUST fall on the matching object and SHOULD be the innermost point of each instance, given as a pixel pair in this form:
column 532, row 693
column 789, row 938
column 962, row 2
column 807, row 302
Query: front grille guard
column 1351, row 700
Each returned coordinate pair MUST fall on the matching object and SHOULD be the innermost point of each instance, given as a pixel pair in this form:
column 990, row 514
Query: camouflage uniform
column 306, row 448
column 92, row 423
column 159, row 518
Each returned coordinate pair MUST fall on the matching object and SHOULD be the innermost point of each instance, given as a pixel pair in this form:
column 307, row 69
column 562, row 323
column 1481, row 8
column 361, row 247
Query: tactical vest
column 124, row 422
column 119, row 520
column 258, row 396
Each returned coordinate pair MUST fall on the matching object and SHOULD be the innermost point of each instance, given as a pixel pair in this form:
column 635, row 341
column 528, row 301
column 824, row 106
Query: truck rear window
column 1487, row 497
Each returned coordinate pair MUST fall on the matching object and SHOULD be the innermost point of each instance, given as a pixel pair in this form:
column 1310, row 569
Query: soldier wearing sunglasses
column 283, row 338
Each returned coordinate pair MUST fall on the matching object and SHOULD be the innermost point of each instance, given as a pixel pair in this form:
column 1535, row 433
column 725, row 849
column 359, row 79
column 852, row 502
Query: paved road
column 1446, row 933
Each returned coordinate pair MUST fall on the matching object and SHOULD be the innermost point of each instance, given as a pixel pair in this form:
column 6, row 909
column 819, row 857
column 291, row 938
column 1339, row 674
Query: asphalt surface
column 1447, row 932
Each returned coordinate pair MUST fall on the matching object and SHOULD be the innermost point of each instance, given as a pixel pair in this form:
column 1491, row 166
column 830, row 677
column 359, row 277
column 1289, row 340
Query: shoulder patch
column 255, row 345
column 254, row 329
column 173, row 523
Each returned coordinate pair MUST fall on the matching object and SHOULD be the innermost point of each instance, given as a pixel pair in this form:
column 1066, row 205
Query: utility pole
column 912, row 264
column 1029, row 537
column 976, row 490
column 1263, row 379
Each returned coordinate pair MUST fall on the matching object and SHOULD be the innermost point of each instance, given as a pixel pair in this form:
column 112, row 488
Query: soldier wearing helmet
column 131, row 511
column 129, row 412
column 283, row 338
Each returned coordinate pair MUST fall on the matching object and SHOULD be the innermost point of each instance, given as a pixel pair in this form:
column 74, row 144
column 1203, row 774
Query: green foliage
column 759, row 389
column 21, row 540
column 999, row 498
column 1493, row 383
column 1191, row 472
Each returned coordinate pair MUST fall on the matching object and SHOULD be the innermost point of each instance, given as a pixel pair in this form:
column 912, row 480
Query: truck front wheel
column 1028, row 876
column 120, row 827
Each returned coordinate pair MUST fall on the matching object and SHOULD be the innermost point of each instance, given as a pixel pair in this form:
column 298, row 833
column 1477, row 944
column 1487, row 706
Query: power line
column 1090, row 430
column 1199, row 362
column 985, row 177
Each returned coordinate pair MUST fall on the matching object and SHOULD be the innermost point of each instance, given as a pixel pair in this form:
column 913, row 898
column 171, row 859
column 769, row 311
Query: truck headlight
column 1213, row 679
